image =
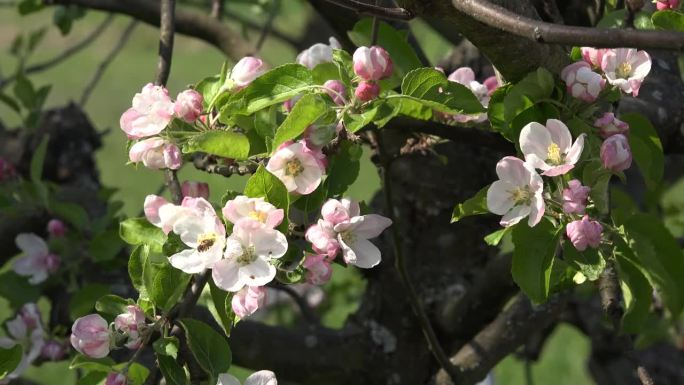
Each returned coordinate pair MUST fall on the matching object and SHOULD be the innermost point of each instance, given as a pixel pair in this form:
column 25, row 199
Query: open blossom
column 323, row 238
column 626, row 68
column 262, row 377
column 353, row 236
column 318, row 269
column 337, row 91
column 550, row 148
column 248, row 255
column 116, row 379
column 25, row 330
column 246, row 70
column 466, row 77
column 195, row 189
column 584, row 232
column 130, row 323
column 575, row 197
column 517, row 194
column 151, row 210
column 667, row 4
column 609, row 125
column 248, row 300
column 188, row 105
column 156, row 153
column 594, row 56
column 199, row 228
column 36, row 261
column 372, row 63
column 151, row 112
column 337, row 211
column 90, row 335
column 56, row 228
column 297, row 168
column 256, row 209
column 318, row 53
column 582, row 82
column 616, row 155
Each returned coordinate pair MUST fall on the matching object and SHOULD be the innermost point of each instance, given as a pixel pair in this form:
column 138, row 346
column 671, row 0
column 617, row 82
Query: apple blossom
column 188, row 105
column 594, row 56
column 131, row 324
column 550, row 148
column 248, row 255
column 36, row 261
column 337, row 211
column 262, row 377
column 582, row 82
column 584, row 232
column 372, row 63
column 56, row 228
column 246, row 70
column 575, row 197
column 53, row 350
column 337, row 91
column 353, row 236
column 318, row 269
column 616, row 155
column 257, row 209
column 151, row 112
column 367, row 91
column 492, row 83
column 90, row 335
column 248, row 300
column 517, row 193
column 318, row 53
column 151, row 210
column 297, row 168
column 25, row 330
column 156, row 153
column 609, row 125
column 626, row 68
column 466, row 77
column 323, row 238
column 195, row 189
column 667, row 4
column 116, row 379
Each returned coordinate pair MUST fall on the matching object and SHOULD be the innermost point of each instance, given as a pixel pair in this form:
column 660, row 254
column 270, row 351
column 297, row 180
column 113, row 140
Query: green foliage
column 164, row 283
column 344, row 168
column 83, row 301
column 17, row 290
column 112, row 305
column 105, row 246
column 227, row 144
column 91, row 364
column 222, row 303
column 431, row 88
column 305, row 112
column 9, row 359
column 173, row 373
column 495, row 238
column 647, row 150
column 636, row 289
column 589, row 262
column 535, row 248
column 208, row 347
column 474, row 206
column 65, row 15
column 668, row 20
column 139, row 231
column 166, row 346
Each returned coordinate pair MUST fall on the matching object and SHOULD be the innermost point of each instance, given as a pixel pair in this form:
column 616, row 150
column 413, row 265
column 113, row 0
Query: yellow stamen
column 294, row 167
column 624, row 70
column 258, row 215
column 521, row 195
column 554, row 154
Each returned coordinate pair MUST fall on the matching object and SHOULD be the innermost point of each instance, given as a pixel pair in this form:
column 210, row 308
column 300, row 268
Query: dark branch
column 374, row 10
column 505, row 20
column 167, row 26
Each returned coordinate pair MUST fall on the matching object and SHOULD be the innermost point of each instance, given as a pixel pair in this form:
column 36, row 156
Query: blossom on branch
column 318, row 53
column 156, row 153
column 372, row 63
column 151, row 112
column 90, row 335
column 255, row 209
column 248, row 300
column 550, row 148
column 626, row 68
column 517, row 194
column 296, row 166
column 36, row 261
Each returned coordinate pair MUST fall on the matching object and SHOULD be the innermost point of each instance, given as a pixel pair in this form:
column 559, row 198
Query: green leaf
column 305, row 112
column 344, row 168
column 495, row 238
column 647, row 150
column 10, row 102
column 669, row 20
column 17, row 290
column 209, row 348
column 222, row 303
column 164, row 283
column 136, row 265
column 139, row 231
column 589, row 262
column 531, row 89
column 173, row 373
column 474, row 206
column 324, row 72
column 105, row 246
column 264, row 184
column 166, row 346
column 636, row 290
column 37, row 162
column 137, row 373
column 92, row 378
column 535, row 248
column 29, row 6
column 83, row 301
column 431, row 88
column 10, row 359
column 24, row 91
column 208, row 88
column 273, row 87
column 73, row 213
column 227, row 144
column 92, row 364
column 402, row 54
column 112, row 304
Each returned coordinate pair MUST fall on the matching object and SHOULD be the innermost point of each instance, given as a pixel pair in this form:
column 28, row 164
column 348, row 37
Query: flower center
column 258, row 215
column 206, row 241
column 248, row 256
column 553, row 154
column 624, row 70
column 294, row 167
column 348, row 237
column 521, row 195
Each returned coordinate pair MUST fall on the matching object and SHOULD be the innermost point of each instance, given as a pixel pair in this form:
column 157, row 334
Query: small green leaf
column 636, row 290
column 530, row 90
column 305, row 112
column 17, row 290
column 495, row 238
column 209, row 348
column 166, row 346
column 223, row 307
column 38, row 160
column 647, row 149
column 29, row 6
column 227, row 144
column 136, row 264
column 10, row 102
column 589, row 262
column 164, row 283
column 92, row 378
column 173, row 373
column 105, row 246
column 83, row 301
column 344, row 169
column 431, row 88
column 112, row 304
column 137, row 373
column 10, row 359
column 668, row 20
column 71, row 212
column 266, row 185
column 92, row 364
column 24, row 91
column 139, row 231
column 208, row 88
column 474, row 206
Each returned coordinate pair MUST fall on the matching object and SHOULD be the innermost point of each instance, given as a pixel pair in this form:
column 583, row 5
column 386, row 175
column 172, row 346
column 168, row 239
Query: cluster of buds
column 371, row 64
column 616, row 154
column 93, row 336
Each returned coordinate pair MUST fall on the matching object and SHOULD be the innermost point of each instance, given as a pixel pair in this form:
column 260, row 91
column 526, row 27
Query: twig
column 107, row 61
column 309, row 315
column 374, row 10
column 400, row 265
column 505, row 20
column 217, row 9
column 268, row 26
column 210, row 164
column 255, row 26
column 374, row 29
column 67, row 53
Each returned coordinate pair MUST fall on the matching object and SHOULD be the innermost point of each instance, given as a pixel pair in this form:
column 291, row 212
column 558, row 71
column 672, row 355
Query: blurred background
column 564, row 355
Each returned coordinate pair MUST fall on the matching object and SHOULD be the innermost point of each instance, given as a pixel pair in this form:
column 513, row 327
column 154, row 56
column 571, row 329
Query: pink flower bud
column 323, row 239
column 372, row 63
column 195, row 189
column 30, row 316
column 318, row 269
column 609, row 125
column 335, row 211
column 90, row 336
column 582, row 82
column 583, row 233
column 7, row 170
column 367, row 91
column 52, row 262
column 53, row 350
column 116, row 379
column 575, row 197
column 56, row 228
column 130, row 323
column 667, row 4
column 290, row 103
column 188, row 105
column 248, row 300
column 246, row 70
column 616, row 155
column 156, row 153
column 337, row 91
column 492, row 83
column 151, row 112
column 593, row 56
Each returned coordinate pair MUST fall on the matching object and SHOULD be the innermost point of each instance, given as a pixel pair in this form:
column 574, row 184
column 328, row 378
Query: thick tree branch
column 539, row 31
column 374, row 10
column 187, row 22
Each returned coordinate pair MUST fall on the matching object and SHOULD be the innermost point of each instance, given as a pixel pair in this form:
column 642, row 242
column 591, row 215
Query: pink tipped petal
column 560, row 134
column 535, row 139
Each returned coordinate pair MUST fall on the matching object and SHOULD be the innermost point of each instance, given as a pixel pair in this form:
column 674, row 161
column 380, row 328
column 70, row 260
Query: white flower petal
column 226, row 275
column 367, row 255
column 269, row 244
column 370, row 226
column 227, row 379
column 560, row 134
column 31, row 244
column 576, row 150
column 515, row 215
column 535, row 139
column 262, row 377
column 257, row 273
column 499, row 197
column 188, row 260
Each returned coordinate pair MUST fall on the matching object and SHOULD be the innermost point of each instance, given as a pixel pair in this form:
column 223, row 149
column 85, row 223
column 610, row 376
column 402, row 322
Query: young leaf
column 647, row 149
column 589, row 262
column 105, row 246
column 136, row 264
column 112, row 304
column 83, row 302
column 139, row 231
column 535, row 249
column 210, row 349
column 208, row 88
column 474, row 206
column 92, row 364
column 164, row 283
column 431, row 88
column 224, row 310
column 307, row 111
column 166, row 346
column 227, row 144
column 173, row 373
column 9, row 359
column 344, row 168
column 495, row 238
column 523, row 95
column 636, row 290
column 669, row 20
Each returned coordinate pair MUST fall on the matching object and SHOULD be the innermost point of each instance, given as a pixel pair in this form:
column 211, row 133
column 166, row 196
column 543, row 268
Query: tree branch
column 374, row 10
column 542, row 32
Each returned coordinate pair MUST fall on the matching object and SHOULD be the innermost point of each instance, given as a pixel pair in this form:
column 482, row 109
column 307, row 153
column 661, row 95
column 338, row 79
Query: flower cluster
column 94, row 337
column 36, row 261
column 371, row 64
column 299, row 165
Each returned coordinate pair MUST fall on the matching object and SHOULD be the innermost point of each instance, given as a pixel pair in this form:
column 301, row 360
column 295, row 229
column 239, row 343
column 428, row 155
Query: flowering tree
column 550, row 142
